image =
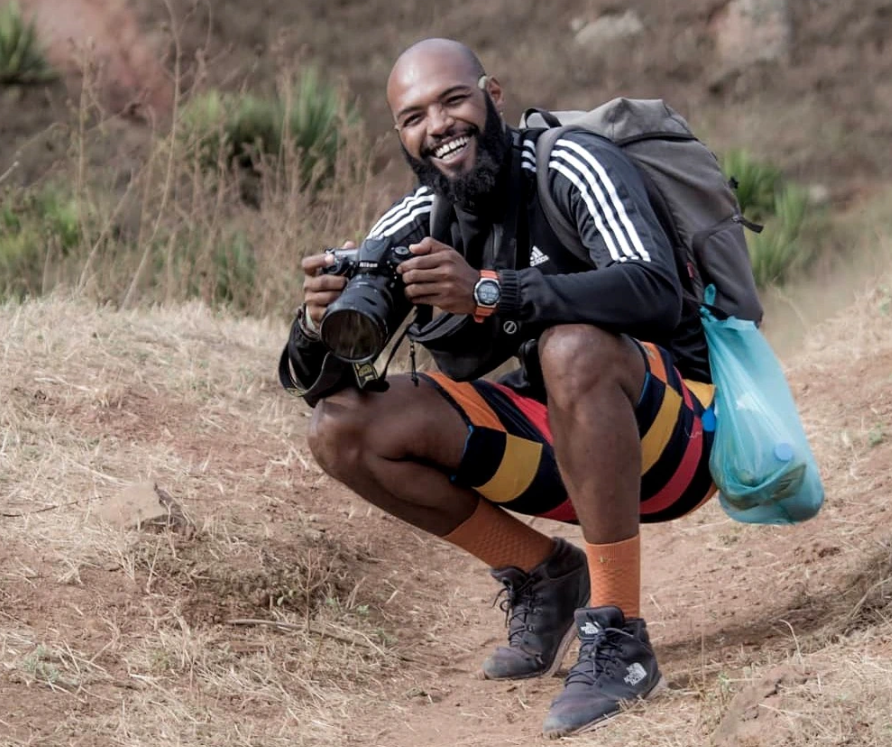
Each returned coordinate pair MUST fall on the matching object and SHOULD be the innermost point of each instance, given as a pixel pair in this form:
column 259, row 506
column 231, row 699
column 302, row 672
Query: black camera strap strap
column 330, row 377
column 393, row 350
column 366, row 375
column 442, row 219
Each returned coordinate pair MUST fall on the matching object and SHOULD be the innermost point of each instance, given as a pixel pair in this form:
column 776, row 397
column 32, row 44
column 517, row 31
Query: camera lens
column 358, row 324
column 352, row 335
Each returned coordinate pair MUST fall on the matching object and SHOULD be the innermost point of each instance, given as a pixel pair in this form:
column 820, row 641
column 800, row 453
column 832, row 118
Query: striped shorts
column 509, row 458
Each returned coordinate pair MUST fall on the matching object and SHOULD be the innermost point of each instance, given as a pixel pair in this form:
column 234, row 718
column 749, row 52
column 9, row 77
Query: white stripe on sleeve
column 592, row 208
column 406, row 220
column 421, row 198
column 599, row 176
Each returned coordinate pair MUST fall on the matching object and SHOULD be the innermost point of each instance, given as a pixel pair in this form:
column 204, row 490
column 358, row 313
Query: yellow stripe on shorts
column 661, row 430
column 516, row 471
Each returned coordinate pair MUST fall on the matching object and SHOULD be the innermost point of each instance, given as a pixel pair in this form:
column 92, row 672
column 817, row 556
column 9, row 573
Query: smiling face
column 449, row 127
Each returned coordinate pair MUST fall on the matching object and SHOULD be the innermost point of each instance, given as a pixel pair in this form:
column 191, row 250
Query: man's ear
column 494, row 89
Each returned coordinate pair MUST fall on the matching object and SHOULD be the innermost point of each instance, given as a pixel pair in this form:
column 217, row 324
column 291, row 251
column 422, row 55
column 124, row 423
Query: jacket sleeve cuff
column 509, row 301
column 306, row 325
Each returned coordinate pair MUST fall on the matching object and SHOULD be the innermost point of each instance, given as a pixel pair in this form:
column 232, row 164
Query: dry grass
column 124, row 635
column 133, row 216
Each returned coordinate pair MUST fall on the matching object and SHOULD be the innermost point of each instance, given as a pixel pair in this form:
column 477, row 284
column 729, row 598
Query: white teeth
column 452, row 146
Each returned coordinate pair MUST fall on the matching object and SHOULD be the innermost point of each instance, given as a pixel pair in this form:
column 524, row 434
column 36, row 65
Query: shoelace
column 597, row 655
column 516, row 605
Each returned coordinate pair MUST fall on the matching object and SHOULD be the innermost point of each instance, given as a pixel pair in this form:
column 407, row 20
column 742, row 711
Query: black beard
column 471, row 188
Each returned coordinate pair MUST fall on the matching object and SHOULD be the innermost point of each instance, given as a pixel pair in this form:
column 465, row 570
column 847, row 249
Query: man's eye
column 456, row 100
column 411, row 121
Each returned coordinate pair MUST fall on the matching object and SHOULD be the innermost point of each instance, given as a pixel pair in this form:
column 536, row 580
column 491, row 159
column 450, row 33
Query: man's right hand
column 321, row 290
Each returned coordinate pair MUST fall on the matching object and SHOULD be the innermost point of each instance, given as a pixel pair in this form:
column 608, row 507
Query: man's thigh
column 509, row 458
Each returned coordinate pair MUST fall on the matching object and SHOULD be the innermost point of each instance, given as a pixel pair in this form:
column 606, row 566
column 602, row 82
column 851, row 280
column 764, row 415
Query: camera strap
column 367, row 377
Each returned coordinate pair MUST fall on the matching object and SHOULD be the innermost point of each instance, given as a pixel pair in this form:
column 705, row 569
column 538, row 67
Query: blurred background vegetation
column 221, row 197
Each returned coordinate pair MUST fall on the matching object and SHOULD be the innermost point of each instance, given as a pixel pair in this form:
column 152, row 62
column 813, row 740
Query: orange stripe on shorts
column 655, row 361
column 681, row 480
column 469, row 400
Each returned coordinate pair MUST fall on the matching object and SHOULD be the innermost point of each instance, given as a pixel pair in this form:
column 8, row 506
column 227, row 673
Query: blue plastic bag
column 761, row 461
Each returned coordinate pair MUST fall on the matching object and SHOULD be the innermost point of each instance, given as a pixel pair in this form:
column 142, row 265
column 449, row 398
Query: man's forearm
column 618, row 298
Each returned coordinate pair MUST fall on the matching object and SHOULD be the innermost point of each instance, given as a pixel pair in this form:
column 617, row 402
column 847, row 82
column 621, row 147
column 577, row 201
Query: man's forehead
column 428, row 72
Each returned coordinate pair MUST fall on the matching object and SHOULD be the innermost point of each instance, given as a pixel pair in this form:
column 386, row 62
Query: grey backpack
column 693, row 200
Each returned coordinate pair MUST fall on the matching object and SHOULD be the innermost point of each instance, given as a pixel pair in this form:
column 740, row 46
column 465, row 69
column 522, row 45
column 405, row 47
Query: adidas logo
column 537, row 256
column 590, row 628
column 634, row 674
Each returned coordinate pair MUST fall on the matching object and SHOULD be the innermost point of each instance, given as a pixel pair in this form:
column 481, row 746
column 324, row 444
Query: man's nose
column 440, row 120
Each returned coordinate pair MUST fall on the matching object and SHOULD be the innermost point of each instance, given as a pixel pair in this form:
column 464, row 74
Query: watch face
column 488, row 293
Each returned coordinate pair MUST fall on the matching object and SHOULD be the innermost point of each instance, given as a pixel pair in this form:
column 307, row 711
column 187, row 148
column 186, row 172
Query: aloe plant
column 309, row 117
column 22, row 58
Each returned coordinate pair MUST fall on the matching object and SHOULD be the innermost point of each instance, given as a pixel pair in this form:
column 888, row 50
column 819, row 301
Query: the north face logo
column 590, row 628
column 634, row 674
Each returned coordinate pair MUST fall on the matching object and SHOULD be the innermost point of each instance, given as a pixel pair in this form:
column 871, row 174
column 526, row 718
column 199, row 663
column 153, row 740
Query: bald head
column 445, row 54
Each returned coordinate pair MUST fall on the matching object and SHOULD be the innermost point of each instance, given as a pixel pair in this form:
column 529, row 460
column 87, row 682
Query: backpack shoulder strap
column 564, row 230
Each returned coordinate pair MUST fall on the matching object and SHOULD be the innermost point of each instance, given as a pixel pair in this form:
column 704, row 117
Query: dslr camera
column 358, row 325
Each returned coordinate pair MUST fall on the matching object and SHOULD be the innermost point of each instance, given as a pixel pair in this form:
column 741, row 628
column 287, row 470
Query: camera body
column 358, row 325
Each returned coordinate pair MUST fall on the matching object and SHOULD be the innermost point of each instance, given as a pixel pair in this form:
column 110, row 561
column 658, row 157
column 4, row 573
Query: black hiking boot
column 539, row 608
column 616, row 666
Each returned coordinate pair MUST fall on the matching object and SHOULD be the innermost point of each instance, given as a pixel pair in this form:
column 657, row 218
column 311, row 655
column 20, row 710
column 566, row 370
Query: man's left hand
column 439, row 276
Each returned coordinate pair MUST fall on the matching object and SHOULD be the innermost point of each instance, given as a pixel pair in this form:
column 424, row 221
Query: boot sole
column 561, row 652
column 558, row 660
column 556, row 663
column 604, row 720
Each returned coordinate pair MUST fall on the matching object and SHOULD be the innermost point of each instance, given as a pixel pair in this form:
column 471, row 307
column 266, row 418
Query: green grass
column 22, row 59
column 780, row 250
column 37, row 227
column 757, row 183
column 316, row 117
column 253, row 132
column 782, row 207
column 45, row 236
column 181, row 228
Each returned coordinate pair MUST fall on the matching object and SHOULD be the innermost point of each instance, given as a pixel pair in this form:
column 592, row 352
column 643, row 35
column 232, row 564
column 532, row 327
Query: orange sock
column 615, row 572
column 500, row 540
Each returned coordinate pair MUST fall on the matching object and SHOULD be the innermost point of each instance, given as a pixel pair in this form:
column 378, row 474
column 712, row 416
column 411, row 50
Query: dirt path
column 704, row 598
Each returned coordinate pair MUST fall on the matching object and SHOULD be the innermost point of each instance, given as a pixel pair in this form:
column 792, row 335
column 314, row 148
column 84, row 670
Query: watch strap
column 481, row 312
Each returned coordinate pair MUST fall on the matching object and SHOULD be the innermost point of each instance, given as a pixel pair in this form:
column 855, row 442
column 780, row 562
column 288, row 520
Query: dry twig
column 39, row 510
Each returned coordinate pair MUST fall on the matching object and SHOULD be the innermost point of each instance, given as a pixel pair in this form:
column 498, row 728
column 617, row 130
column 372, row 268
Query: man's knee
column 405, row 421
column 578, row 359
column 338, row 431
